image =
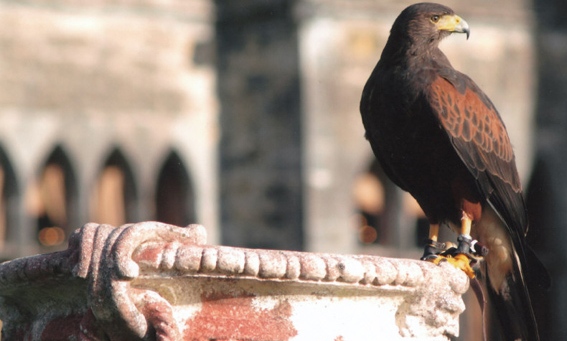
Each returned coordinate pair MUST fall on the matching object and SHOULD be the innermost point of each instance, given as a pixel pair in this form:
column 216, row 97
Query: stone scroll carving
column 153, row 281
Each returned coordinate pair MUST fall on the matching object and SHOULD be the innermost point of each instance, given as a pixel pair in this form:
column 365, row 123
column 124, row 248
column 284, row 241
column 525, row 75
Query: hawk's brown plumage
column 439, row 137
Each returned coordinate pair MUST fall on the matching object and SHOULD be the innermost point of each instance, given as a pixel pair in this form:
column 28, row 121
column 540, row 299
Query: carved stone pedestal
column 152, row 281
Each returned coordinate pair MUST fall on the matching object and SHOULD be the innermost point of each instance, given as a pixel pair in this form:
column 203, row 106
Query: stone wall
column 152, row 281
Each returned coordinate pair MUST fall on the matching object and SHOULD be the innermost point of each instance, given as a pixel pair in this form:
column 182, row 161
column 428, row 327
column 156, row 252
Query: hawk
column 439, row 137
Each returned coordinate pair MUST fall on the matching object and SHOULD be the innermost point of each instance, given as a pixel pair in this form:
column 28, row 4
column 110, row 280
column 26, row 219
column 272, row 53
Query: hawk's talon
column 459, row 260
column 429, row 257
column 462, row 256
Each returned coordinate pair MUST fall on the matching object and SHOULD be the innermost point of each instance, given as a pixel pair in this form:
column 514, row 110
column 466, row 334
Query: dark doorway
column 175, row 202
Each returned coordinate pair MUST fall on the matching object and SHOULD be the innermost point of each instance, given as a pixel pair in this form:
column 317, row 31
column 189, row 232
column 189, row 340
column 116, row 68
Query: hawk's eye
column 435, row 18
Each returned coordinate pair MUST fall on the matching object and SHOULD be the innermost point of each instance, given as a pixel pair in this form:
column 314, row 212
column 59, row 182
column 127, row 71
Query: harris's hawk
column 439, row 137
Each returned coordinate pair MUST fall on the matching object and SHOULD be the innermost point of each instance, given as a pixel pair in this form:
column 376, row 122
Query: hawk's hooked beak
column 453, row 23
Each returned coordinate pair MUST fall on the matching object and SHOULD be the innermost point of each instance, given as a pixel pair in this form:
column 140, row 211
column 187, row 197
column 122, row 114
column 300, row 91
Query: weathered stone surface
column 152, row 281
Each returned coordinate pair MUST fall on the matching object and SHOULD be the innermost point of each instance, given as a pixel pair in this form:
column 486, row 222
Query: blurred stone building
column 120, row 112
column 243, row 116
column 107, row 113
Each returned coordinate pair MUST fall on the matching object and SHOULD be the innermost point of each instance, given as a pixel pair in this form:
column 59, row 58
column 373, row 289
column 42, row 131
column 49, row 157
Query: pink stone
column 160, row 282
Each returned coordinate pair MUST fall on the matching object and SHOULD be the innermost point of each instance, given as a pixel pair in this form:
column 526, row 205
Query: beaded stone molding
column 153, row 281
